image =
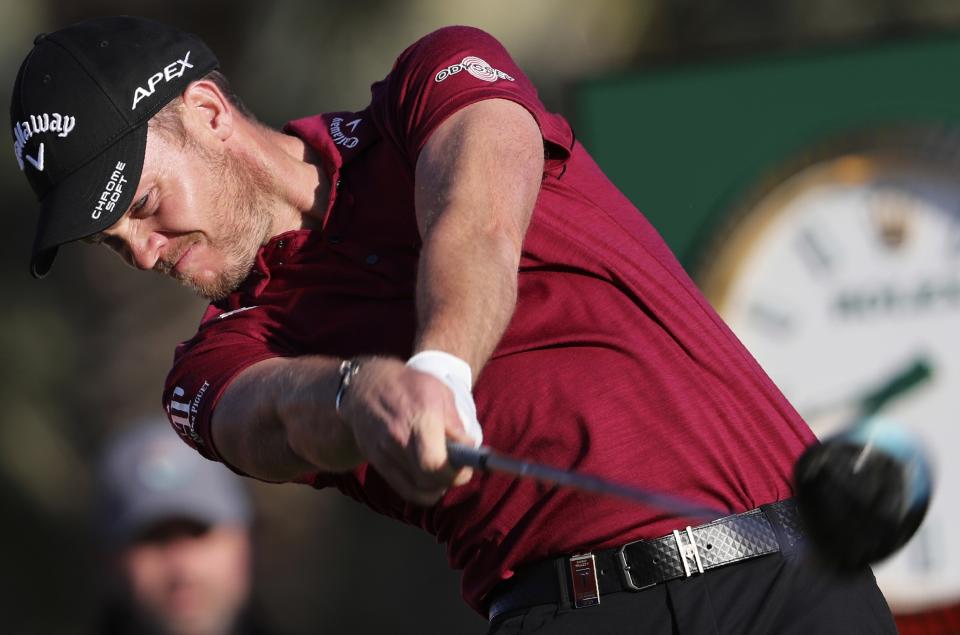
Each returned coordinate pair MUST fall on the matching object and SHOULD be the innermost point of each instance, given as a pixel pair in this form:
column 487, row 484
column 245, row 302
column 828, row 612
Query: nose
column 141, row 250
column 146, row 250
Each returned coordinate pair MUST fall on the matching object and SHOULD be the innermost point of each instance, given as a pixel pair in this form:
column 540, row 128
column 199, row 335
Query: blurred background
column 799, row 156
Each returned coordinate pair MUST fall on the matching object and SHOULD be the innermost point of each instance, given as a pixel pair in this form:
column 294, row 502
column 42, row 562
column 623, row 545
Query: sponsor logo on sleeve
column 170, row 71
column 476, row 67
column 44, row 123
column 182, row 412
column 340, row 137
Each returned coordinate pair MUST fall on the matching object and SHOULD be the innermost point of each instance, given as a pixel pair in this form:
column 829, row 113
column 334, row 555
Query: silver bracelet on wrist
column 348, row 369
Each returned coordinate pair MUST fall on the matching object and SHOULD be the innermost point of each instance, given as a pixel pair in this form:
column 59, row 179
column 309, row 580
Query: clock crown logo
column 890, row 213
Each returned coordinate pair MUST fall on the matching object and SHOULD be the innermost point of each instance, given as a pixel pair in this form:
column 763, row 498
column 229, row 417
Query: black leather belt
column 582, row 579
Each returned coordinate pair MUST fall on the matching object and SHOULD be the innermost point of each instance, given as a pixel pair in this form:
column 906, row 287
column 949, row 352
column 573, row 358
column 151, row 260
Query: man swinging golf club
column 382, row 280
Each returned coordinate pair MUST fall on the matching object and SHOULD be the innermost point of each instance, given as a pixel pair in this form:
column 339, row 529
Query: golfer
column 447, row 263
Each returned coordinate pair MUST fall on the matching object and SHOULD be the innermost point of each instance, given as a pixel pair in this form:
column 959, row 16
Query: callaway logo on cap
column 78, row 115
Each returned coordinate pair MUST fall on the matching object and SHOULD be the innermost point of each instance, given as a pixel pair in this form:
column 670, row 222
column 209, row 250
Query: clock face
column 842, row 275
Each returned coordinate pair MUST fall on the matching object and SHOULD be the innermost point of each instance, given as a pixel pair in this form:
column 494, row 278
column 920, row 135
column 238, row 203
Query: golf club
column 889, row 499
column 486, row 460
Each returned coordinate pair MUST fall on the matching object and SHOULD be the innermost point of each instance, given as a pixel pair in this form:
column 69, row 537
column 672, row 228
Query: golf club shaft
column 484, row 459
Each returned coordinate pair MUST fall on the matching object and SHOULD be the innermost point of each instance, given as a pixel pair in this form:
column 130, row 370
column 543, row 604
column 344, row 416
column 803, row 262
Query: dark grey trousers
column 769, row 595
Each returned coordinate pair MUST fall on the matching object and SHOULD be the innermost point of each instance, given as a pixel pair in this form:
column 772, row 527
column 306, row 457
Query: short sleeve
column 450, row 69
column 202, row 369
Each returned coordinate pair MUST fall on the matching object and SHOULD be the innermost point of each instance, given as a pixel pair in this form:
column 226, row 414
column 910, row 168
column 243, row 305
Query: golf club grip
column 461, row 455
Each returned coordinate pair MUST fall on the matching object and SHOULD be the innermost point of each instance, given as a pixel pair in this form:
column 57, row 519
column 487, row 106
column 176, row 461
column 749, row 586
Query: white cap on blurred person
column 149, row 476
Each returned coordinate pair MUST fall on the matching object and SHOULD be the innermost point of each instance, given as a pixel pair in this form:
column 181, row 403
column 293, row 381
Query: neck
column 302, row 186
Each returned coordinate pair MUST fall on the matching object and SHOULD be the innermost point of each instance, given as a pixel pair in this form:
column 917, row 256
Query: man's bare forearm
column 477, row 182
column 276, row 420
column 466, row 314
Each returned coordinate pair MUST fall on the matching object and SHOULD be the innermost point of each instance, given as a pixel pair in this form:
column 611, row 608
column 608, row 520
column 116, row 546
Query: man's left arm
column 477, row 180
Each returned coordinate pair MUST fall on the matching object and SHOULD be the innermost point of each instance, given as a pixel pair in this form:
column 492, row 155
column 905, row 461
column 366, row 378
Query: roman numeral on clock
column 814, row 252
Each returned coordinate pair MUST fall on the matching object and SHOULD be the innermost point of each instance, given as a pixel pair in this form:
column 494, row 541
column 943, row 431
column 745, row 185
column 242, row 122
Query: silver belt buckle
column 586, row 587
column 625, row 569
column 688, row 551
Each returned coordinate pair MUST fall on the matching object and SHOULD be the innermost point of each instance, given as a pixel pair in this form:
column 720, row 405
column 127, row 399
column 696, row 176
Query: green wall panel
column 683, row 143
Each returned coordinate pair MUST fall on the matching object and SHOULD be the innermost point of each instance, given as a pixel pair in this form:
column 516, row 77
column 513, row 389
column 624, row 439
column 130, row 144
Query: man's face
column 186, row 579
column 199, row 215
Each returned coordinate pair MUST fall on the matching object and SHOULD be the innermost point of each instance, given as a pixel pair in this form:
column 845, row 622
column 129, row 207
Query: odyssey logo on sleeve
column 476, row 67
column 24, row 130
column 170, row 71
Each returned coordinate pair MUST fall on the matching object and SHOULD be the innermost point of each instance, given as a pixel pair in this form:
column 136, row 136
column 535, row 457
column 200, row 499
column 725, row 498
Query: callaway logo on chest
column 168, row 72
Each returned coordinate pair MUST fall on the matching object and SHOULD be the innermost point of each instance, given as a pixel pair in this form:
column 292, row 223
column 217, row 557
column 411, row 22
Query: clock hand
column 873, row 401
column 869, row 402
column 907, row 379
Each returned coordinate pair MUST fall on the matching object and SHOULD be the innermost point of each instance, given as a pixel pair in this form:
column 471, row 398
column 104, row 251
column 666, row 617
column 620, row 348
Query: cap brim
column 41, row 262
column 90, row 200
column 201, row 503
column 145, row 514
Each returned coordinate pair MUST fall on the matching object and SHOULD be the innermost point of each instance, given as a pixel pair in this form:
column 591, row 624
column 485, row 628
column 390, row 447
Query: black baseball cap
column 79, row 114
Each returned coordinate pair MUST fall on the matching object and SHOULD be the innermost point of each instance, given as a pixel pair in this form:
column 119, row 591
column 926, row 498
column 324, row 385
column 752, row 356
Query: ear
column 208, row 113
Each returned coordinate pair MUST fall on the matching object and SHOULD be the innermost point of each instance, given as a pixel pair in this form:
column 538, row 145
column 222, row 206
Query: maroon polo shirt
column 612, row 364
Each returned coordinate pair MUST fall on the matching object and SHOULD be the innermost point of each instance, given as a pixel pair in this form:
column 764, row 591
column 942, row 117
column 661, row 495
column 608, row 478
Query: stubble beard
column 243, row 227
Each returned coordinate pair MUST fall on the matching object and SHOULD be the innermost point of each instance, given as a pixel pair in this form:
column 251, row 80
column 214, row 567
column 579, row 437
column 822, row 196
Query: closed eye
column 139, row 205
column 135, row 211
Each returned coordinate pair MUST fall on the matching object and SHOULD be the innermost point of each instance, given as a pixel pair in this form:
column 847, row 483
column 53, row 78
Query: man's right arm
column 277, row 421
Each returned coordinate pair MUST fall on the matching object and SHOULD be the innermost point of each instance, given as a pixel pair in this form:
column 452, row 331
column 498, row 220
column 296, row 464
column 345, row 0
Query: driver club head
column 863, row 493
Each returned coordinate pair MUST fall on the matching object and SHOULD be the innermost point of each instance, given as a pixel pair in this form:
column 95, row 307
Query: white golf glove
column 456, row 374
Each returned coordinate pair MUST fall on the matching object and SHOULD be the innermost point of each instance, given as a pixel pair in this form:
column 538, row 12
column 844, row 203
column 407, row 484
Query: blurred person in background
column 383, row 280
column 176, row 529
